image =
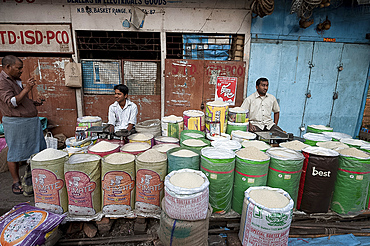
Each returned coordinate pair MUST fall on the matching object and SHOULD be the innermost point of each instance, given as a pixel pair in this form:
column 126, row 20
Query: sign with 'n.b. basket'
column 39, row 38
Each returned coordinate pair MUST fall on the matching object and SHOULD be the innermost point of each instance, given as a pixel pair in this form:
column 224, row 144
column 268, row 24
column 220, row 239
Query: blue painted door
column 304, row 77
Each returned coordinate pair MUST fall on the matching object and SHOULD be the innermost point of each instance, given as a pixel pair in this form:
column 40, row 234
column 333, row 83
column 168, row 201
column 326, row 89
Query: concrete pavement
column 7, row 198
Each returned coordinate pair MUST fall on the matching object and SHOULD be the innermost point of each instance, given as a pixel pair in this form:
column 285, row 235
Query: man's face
column 15, row 70
column 120, row 98
column 262, row 88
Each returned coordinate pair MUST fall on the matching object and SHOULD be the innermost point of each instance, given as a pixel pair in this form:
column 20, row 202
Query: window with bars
column 205, row 46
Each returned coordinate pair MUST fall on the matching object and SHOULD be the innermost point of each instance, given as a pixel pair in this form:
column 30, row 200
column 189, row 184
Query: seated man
column 122, row 113
column 260, row 105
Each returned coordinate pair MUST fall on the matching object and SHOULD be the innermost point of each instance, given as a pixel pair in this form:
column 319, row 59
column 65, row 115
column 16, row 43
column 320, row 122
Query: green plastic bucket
column 218, row 165
column 285, row 170
column 351, row 186
column 248, row 173
column 312, row 138
column 180, row 162
column 232, row 126
column 318, row 129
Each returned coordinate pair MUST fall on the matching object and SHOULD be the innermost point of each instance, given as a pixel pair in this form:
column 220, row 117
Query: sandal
column 17, row 188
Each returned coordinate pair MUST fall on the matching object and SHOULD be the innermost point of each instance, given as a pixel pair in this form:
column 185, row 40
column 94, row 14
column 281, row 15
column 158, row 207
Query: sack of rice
column 141, row 138
column 352, row 183
column 318, row 128
column 82, row 177
column 151, row 169
column 135, row 148
column 172, row 126
column 238, row 115
column 149, row 126
column 334, row 145
column 218, row 165
column 166, row 140
column 285, row 170
column 103, row 148
column 294, row 145
column 163, row 148
column 353, row 143
column 266, row 218
column 48, row 180
column 118, row 183
column 251, row 168
column 182, row 157
column 25, row 225
column 216, row 137
column 186, row 195
column 173, row 232
column 232, row 126
column 191, row 134
column 260, row 145
column 195, row 143
column 73, row 142
column 365, row 147
column 226, row 144
column 194, row 120
column 336, row 136
column 312, row 138
column 318, row 176
column 242, row 136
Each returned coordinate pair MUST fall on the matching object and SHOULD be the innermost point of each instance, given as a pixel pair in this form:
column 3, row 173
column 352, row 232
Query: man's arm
column 29, row 85
column 276, row 117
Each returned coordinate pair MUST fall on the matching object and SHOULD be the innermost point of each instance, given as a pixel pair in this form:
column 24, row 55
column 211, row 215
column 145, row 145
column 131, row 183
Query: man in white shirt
column 260, row 105
column 122, row 113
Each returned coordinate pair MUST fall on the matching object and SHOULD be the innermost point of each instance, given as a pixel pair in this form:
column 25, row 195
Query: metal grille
column 205, row 46
column 142, row 78
column 118, row 45
column 100, row 76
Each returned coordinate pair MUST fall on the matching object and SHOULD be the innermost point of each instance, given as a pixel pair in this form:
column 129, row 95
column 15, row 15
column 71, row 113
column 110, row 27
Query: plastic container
column 172, row 126
column 216, row 117
column 238, row 115
column 194, row 120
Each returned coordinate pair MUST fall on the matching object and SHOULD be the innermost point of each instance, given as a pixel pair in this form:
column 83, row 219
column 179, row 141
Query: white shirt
column 260, row 108
column 119, row 117
column 13, row 100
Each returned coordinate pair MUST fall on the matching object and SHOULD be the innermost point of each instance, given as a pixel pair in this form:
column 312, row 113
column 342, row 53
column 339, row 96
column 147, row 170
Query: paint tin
column 194, row 120
column 238, row 115
column 216, row 117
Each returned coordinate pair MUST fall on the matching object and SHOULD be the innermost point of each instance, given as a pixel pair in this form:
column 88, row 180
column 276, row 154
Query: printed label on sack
column 148, row 187
column 117, row 187
column 46, row 186
column 20, row 227
column 265, row 228
column 194, row 208
column 79, row 188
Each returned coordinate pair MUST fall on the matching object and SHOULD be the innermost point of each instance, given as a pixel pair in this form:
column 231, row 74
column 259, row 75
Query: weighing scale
column 272, row 138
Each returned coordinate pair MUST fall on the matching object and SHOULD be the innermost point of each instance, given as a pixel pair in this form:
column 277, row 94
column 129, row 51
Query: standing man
column 260, row 105
column 22, row 127
column 122, row 113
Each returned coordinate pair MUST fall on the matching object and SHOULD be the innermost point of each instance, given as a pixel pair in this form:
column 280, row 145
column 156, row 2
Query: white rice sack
column 354, row 142
column 103, row 146
column 321, row 127
column 141, row 137
column 332, row 145
column 269, row 198
column 184, row 153
column 194, row 143
column 256, row 143
column 49, row 154
column 163, row 148
column 193, row 135
column 294, row 145
column 354, row 152
column 226, row 144
column 119, row 158
column 252, row 153
column 135, row 146
column 189, row 180
column 152, row 155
